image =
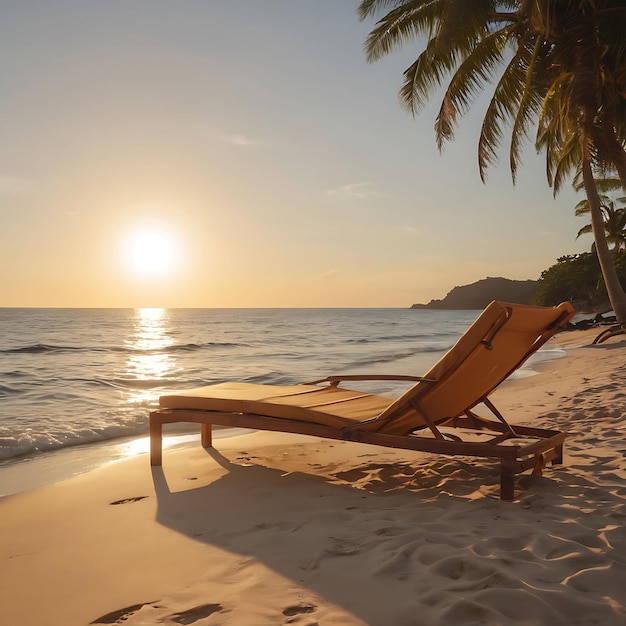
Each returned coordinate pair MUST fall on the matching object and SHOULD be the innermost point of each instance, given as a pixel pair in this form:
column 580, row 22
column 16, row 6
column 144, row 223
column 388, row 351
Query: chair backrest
column 492, row 348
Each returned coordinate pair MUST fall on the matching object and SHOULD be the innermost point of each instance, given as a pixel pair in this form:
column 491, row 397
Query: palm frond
column 468, row 82
column 501, row 111
column 530, row 105
column 424, row 77
column 368, row 8
column 410, row 20
column 567, row 161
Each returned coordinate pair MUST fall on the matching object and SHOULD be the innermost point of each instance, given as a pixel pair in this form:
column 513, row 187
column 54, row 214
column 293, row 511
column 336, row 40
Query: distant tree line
column 577, row 278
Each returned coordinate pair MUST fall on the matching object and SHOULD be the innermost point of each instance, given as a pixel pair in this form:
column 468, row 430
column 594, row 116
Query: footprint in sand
column 127, row 500
column 280, row 526
column 295, row 611
column 340, row 548
column 290, row 611
column 195, row 613
column 121, row 615
column 246, row 461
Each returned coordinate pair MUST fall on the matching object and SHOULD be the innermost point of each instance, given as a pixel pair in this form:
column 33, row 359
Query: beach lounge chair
column 438, row 414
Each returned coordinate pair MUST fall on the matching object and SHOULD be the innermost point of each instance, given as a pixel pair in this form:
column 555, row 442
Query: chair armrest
column 335, row 380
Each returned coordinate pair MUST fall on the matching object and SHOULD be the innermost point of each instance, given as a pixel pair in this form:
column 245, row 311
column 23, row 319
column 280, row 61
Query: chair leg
column 507, row 481
column 156, row 441
column 558, row 459
column 206, row 436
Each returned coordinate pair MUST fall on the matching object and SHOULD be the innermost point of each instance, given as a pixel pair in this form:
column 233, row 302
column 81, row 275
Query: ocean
column 84, row 380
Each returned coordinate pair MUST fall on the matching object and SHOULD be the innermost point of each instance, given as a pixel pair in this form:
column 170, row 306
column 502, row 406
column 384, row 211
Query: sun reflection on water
column 149, row 359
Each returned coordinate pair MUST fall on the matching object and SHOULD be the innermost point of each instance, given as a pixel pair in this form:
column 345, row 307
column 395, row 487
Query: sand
column 283, row 529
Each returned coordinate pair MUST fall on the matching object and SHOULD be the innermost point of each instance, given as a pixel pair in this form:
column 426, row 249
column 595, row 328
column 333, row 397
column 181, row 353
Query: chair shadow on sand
column 373, row 535
column 380, row 515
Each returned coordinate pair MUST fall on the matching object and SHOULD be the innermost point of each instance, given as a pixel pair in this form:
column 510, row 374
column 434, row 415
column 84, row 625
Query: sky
column 242, row 153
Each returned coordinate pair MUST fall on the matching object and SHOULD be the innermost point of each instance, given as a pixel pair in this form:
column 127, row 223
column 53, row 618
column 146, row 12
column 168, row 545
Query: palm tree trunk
column 617, row 154
column 617, row 295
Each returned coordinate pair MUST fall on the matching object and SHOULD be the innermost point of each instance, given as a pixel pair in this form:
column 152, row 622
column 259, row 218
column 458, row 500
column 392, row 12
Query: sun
column 151, row 253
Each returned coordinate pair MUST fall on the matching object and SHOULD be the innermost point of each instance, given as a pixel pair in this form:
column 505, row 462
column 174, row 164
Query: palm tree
column 582, row 122
column 559, row 64
column 614, row 223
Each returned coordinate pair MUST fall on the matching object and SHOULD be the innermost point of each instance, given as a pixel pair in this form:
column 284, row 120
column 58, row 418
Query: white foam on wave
column 545, row 354
column 33, row 472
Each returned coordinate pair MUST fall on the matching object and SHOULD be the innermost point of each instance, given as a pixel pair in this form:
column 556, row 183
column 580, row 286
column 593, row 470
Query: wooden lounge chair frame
column 441, row 436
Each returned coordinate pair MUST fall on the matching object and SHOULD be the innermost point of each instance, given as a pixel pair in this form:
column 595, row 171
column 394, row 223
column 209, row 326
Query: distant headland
column 479, row 294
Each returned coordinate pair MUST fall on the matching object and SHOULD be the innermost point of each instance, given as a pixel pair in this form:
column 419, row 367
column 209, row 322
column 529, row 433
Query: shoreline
column 41, row 469
column 272, row 528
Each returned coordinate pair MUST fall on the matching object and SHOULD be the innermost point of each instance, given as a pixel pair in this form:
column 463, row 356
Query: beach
column 270, row 528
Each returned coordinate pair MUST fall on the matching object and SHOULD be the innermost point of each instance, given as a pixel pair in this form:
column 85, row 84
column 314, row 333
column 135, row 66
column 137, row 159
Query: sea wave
column 43, row 348
column 5, row 390
column 400, row 355
column 140, row 383
column 29, row 443
column 69, row 377
column 40, row 348
column 385, row 338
